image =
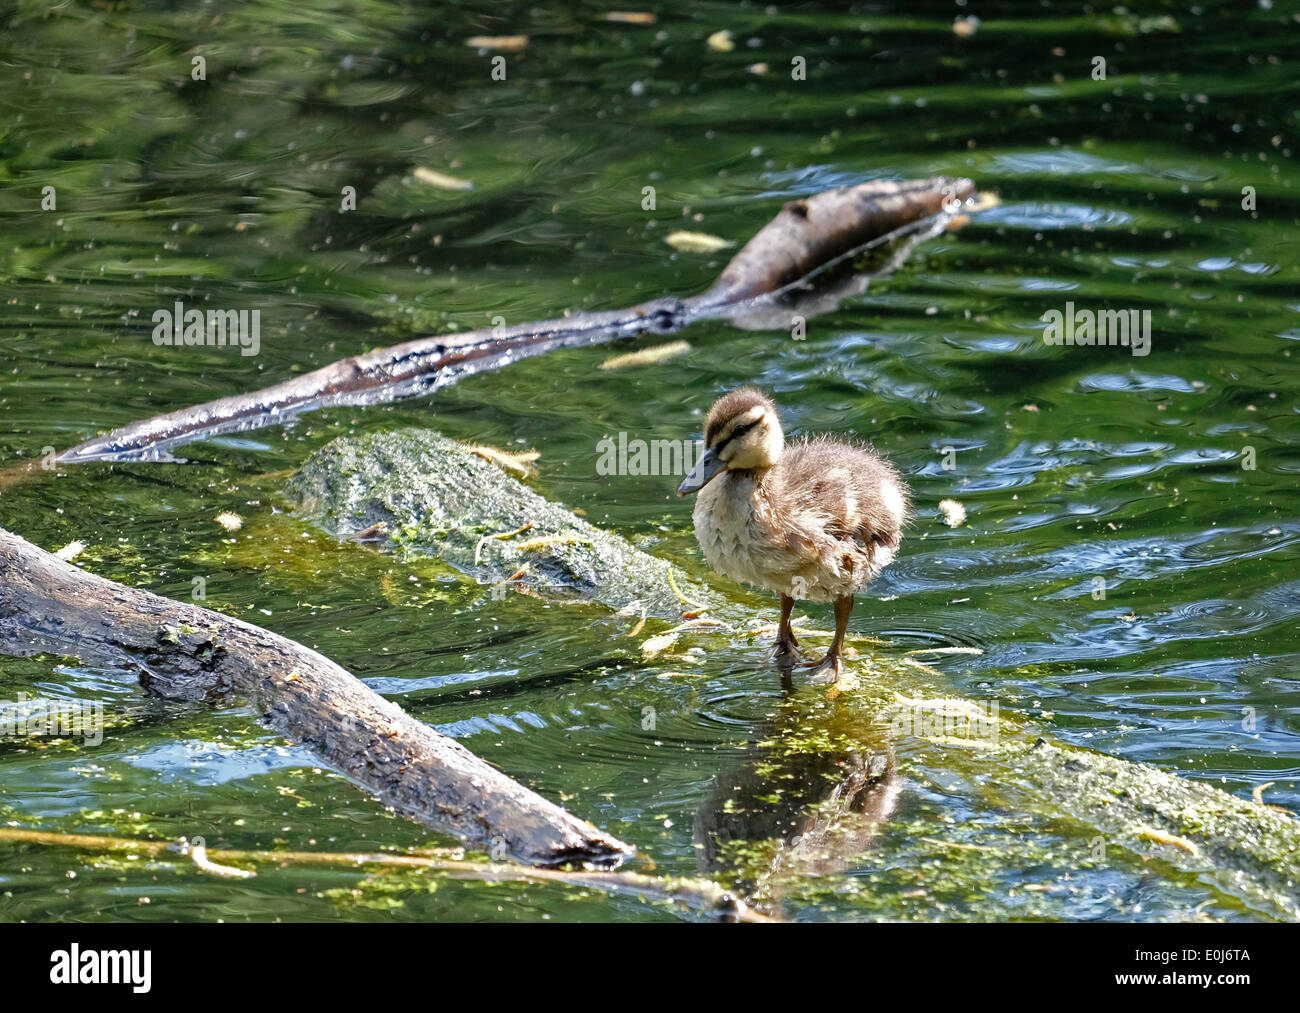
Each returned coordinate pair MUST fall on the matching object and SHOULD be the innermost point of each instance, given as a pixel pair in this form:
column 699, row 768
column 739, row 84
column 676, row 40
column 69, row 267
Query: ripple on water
column 1057, row 216
column 210, row 763
column 1135, row 381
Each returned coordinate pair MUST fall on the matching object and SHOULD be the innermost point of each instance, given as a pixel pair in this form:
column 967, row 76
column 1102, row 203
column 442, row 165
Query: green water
column 1074, row 463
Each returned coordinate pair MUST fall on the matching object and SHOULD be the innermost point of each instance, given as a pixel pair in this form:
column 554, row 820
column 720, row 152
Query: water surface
column 1170, row 478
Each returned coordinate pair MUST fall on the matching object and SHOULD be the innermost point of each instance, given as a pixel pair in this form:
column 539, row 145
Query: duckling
column 815, row 520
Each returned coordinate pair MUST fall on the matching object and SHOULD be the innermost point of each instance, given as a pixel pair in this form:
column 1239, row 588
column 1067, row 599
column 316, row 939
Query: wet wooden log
column 805, row 237
column 183, row 652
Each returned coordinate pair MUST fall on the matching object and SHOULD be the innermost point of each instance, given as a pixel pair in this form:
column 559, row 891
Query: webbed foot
column 827, row 671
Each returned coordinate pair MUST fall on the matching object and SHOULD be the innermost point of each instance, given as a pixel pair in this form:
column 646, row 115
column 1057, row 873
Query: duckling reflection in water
column 815, row 520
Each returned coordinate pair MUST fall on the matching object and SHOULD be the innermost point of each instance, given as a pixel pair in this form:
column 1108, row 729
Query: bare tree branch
column 804, row 237
column 184, row 652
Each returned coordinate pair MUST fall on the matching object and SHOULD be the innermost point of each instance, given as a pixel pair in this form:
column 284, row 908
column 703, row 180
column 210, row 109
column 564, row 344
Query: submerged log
column 184, row 652
column 478, row 519
column 818, row 807
column 825, row 750
column 806, row 236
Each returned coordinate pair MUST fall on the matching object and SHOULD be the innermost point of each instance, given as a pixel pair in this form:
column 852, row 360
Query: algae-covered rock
column 435, row 496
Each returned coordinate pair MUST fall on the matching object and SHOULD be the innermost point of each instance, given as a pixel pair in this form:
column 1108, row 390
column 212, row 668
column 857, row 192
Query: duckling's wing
column 842, row 492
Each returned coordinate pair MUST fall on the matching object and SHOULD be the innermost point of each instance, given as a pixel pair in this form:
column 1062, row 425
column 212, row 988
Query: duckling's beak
column 706, row 468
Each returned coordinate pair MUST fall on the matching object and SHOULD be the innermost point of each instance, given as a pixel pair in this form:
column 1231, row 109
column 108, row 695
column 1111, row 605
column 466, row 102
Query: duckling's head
column 742, row 433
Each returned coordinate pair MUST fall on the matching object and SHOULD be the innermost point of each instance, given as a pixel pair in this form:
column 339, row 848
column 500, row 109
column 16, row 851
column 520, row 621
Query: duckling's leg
column 829, row 668
column 786, row 650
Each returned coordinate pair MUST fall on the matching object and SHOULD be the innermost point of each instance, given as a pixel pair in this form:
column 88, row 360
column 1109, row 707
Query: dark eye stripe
column 738, row 431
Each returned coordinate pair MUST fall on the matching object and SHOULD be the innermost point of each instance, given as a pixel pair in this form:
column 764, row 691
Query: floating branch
column 694, row 894
column 184, row 652
column 807, row 236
